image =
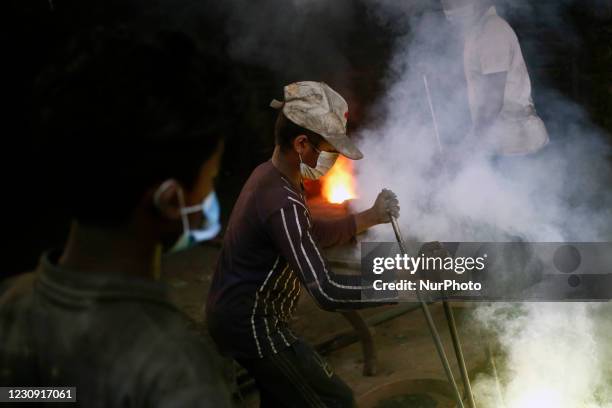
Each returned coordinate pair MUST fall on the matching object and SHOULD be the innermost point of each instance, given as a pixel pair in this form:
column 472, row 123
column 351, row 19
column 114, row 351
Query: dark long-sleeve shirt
column 271, row 246
column 117, row 339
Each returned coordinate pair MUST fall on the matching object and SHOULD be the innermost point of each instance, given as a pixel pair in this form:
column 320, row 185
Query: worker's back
column 117, row 339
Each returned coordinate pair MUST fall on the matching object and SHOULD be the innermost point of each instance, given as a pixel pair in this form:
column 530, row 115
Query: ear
column 168, row 199
column 300, row 143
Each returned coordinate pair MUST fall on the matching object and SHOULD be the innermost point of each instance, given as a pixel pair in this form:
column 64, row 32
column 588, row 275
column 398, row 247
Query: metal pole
column 433, row 113
column 432, row 326
column 500, row 396
column 467, row 387
column 447, row 309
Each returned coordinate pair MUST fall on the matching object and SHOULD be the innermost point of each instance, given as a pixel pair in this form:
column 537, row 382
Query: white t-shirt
column 491, row 46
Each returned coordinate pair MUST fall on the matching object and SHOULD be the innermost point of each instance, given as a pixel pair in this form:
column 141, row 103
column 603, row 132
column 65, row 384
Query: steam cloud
column 561, row 195
column 556, row 356
column 293, row 39
column 553, row 353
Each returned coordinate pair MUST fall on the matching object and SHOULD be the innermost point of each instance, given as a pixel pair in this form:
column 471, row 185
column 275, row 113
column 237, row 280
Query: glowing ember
column 339, row 183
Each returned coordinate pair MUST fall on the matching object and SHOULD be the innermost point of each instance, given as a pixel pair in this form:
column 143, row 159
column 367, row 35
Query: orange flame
column 339, row 183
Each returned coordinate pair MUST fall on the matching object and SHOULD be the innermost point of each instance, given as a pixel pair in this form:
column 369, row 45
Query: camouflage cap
column 320, row 109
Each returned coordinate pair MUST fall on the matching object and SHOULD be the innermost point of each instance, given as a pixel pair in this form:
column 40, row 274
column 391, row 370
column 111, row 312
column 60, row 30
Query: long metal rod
column 467, row 387
column 432, row 326
column 450, row 318
column 500, row 396
column 433, row 113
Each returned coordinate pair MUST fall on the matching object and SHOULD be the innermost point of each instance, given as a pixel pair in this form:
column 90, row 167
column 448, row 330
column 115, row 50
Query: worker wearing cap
column 504, row 119
column 272, row 248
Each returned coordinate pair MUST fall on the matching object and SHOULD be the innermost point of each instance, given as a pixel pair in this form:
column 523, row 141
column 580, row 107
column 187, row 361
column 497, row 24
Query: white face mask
column 463, row 16
column 325, row 162
column 211, row 210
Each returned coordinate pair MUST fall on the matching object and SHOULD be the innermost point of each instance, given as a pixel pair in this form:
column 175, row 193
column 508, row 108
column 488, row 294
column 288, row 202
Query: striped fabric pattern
column 272, row 248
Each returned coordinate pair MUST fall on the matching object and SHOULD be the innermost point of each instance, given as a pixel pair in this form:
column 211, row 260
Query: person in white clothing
column 504, row 119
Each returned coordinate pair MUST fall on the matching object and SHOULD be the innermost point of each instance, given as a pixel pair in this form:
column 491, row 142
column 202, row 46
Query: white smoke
column 290, row 38
column 553, row 355
column 559, row 195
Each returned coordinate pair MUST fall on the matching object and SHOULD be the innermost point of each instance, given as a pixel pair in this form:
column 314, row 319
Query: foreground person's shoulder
column 275, row 193
column 17, row 287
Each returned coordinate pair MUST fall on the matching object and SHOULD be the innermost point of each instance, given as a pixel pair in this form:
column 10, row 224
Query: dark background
column 578, row 66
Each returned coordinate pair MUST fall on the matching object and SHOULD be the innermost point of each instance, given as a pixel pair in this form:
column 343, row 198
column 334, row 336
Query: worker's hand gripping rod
column 432, row 327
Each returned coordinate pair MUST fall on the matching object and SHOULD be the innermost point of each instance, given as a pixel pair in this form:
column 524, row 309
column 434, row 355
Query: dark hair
column 285, row 131
column 124, row 111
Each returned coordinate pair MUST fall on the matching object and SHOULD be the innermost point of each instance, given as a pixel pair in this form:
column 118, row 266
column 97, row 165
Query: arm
column 328, row 233
column 497, row 47
column 290, row 229
column 369, row 218
column 16, row 287
column 490, row 101
column 340, row 231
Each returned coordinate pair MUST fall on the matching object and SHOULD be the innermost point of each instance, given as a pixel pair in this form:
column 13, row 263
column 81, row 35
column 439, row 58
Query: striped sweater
column 272, row 248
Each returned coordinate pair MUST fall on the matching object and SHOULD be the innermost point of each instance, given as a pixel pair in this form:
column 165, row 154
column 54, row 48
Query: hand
column 386, row 204
column 434, row 249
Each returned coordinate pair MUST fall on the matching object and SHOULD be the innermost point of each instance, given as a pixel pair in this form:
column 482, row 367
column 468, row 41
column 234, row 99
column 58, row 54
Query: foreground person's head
column 131, row 124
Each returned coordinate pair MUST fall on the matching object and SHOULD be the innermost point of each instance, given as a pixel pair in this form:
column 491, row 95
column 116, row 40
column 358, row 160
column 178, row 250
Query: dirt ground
column 404, row 345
